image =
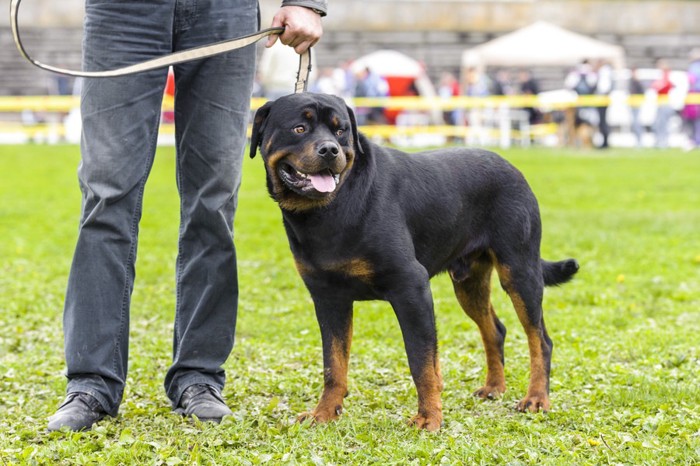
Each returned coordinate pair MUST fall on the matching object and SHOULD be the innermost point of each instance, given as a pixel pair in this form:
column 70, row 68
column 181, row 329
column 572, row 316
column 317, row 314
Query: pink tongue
column 322, row 183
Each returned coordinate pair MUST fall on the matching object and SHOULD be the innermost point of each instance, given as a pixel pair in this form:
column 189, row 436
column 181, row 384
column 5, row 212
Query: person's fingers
column 276, row 22
column 302, row 28
column 271, row 40
column 304, row 46
column 299, row 40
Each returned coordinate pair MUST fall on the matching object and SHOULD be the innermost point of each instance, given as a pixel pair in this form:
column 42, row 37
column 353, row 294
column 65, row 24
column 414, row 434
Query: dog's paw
column 429, row 422
column 534, row 403
column 490, row 392
column 320, row 415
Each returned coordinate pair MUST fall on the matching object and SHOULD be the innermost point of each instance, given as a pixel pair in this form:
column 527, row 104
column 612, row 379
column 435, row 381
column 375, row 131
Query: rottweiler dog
column 366, row 222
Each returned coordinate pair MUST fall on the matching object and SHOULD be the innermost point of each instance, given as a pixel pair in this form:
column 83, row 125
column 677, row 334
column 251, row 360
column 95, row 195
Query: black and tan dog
column 366, row 222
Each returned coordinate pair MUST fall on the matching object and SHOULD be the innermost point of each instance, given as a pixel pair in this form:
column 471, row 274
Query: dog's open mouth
column 308, row 184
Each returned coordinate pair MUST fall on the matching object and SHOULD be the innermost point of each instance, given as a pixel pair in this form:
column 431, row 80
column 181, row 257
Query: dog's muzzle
column 317, row 184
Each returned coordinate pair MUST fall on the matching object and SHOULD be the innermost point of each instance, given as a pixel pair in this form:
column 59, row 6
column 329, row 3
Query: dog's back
column 455, row 202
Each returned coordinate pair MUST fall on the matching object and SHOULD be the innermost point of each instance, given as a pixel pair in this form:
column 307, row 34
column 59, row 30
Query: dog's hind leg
column 474, row 295
column 413, row 305
column 335, row 320
column 524, row 284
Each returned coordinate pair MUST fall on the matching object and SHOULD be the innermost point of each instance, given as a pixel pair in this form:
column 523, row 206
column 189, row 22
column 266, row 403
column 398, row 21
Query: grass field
column 626, row 361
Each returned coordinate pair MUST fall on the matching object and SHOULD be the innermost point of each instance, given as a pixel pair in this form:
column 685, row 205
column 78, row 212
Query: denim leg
column 212, row 106
column 120, row 124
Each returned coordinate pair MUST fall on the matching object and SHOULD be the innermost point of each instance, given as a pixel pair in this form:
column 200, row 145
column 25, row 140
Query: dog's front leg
column 413, row 305
column 335, row 320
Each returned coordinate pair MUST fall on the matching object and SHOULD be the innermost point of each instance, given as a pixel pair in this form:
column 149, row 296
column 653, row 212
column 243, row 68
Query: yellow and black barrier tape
column 14, row 104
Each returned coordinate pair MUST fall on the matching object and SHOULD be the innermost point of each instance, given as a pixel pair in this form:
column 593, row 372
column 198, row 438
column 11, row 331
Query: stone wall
column 585, row 16
column 492, row 16
column 435, row 32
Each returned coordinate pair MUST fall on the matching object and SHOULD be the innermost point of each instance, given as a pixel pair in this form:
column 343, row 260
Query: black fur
column 393, row 221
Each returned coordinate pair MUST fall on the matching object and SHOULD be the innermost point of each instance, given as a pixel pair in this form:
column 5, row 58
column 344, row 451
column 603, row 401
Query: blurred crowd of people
column 585, row 125
column 588, row 78
column 691, row 112
column 597, row 78
column 273, row 81
column 592, row 79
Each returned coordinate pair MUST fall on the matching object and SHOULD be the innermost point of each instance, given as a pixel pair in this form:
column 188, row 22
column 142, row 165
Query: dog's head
column 308, row 143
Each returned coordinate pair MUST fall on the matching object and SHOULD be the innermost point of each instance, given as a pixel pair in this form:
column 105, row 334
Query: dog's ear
column 355, row 135
column 259, row 121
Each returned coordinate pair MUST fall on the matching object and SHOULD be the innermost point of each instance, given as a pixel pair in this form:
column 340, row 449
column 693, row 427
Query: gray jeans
column 120, row 127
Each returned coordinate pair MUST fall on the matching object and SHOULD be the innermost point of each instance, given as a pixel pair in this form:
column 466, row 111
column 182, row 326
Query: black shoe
column 79, row 411
column 203, row 401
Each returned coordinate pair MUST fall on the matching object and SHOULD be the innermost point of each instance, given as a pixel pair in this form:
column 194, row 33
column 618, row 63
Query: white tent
column 541, row 44
column 400, row 70
column 389, row 63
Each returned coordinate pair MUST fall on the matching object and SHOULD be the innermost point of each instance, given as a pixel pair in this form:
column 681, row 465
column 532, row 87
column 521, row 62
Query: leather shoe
column 204, row 402
column 79, row 411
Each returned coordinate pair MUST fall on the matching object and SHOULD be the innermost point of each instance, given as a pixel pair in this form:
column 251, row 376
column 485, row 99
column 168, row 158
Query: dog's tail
column 558, row 273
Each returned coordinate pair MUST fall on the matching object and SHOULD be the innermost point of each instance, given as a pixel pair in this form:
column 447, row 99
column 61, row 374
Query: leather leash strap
column 303, row 72
column 195, row 53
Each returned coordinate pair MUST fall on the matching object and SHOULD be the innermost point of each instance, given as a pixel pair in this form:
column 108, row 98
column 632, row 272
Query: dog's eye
column 339, row 132
column 299, row 129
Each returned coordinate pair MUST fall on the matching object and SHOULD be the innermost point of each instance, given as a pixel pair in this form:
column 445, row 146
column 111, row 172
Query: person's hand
column 302, row 28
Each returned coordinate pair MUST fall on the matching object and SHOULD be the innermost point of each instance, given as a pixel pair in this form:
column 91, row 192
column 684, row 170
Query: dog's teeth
column 336, row 178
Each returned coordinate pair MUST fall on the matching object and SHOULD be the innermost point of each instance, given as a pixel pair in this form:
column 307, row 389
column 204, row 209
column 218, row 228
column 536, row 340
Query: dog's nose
column 328, row 150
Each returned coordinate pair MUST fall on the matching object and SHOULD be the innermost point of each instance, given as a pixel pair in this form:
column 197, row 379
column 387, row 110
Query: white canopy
column 542, row 44
column 389, row 63
column 393, row 64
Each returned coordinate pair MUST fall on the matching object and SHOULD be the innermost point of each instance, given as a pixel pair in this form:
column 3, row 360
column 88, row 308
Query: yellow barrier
column 45, row 103
column 10, row 104
column 33, row 131
column 65, row 104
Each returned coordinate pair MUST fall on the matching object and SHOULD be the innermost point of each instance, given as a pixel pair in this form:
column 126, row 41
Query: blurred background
column 584, row 73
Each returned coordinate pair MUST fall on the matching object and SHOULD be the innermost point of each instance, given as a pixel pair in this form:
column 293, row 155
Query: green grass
column 626, row 361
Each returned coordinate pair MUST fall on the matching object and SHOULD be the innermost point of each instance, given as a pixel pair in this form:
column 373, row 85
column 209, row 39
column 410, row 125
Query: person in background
column 345, row 80
column 370, row 84
column 527, row 85
column 636, row 88
column 501, row 83
column 691, row 111
column 582, row 80
column 120, row 118
column 664, row 111
column 277, row 71
column 326, row 83
column 476, row 83
column 604, row 86
column 448, row 88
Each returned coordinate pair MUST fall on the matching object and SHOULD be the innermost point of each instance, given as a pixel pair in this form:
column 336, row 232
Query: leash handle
column 195, row 53
column 303, row 72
